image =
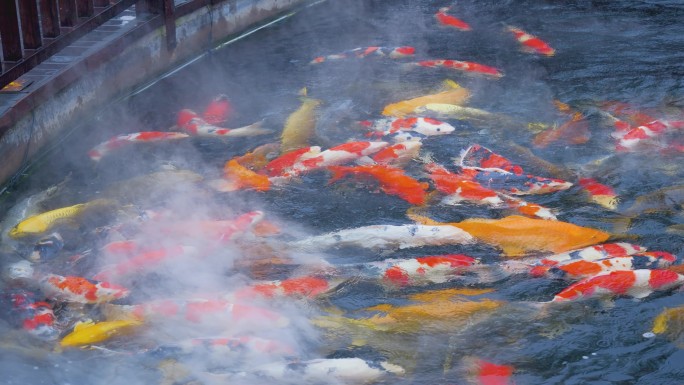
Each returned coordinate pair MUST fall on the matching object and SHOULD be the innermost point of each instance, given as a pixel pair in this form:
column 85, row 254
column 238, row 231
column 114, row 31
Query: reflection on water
column 195, row 268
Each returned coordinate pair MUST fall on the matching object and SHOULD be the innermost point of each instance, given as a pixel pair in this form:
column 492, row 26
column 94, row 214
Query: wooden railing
column 33, row 30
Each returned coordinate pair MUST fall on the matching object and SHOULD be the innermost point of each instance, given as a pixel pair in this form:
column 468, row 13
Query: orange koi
column 239, row 177
column 531, row 43
column 454, row 95
column 450, row 21
column 574, row 131
column 308, row 287
column 392, row 181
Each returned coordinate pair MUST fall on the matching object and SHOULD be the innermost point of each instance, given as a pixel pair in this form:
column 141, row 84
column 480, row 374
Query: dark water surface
column 627, row 51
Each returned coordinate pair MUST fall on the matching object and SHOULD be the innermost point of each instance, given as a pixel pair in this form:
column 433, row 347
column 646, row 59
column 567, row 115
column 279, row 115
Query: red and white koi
column 398, row 155
column 482, row 158
column 632, row 139
column 600, row 193
column 104, row 148
column 467, row 67
column 584, row 269
column 80, row 290
column 199, row 127
column 299, row 287
column 218, row 110
column 634, row 283
column 392, row 53
column 35, row 317
column 450, row 21
column 530, row 43
column 595, row 253
column 422, row 270
column 284, row 163
column 392, row 181
column 386, row 237
column 334, row 156
column 423, row 126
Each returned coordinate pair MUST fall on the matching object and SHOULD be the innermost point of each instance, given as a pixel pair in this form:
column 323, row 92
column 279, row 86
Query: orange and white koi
column 392, row 53
column 335, row 156
column 468, row 67
column 397, row 155
column 104, row 148
column 450, row 21
column 531, row 43
column 302, row 287
column 634, row 283
column 199, row 127
column 460, row 189
column 392, row 180
column 423, row 126
column 585, row 269
column 284, row 163
column 386, row 237
column 80, row 290
column 632, row 139
column 594, row 253
column 600, row 193
column 422, row 270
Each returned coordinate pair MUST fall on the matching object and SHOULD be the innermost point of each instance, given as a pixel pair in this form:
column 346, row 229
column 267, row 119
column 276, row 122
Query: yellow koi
column 87, row 333
column 455, row 94
column 300, row 125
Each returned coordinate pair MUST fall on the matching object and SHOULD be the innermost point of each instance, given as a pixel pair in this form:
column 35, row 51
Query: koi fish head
column 218, row 110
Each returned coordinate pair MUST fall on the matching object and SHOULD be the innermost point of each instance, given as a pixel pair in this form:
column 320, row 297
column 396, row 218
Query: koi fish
column 423, row 126
column 199, row 127
column 35, row 317
column 104, row 148
column 397, row 155
column 44, row 222
column 595, row 253
column 468, row 67
column 455, row 94
column 258, row 158
column 423, row 270
column 669, row 322
column 334, row 156
column 459, row 189
column 450, row 21
column 634, row 283
column 586, row 269
column 88, row 333
column 392, row 53
column 385, row 237
column 81, row 290
column 530, row 43
column 663, row 200
column 470, row 114
column 284, row 163
column 632, row 138
column 392, row 181
column 218, row 110
column 498, row 173
column 300, row 125
column 238, row 177
column 573, row 131
column 488, row 373
column 309, row 287
column 529, row 209
column 325, row 370
column 600, row 193
column 517, row 235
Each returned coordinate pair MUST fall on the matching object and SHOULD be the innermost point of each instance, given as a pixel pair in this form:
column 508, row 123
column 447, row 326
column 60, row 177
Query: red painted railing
column 62, row 22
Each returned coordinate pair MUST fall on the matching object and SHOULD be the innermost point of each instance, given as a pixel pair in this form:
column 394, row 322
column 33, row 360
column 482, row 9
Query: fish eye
column 439, row 129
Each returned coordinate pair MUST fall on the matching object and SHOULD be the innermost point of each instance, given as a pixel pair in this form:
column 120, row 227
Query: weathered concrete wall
column 132, row 63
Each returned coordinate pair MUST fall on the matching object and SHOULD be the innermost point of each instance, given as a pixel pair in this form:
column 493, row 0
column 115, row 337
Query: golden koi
column 88, row 333
column 454, row 95
column 300, row 125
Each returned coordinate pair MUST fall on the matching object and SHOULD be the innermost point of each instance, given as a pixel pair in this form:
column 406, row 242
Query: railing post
column 67, row 13
column 49, row 18
column 9, row 31
column 84, row 8
column 30, row 24
column 146, row 7
column 170, row 24
column 101, row 3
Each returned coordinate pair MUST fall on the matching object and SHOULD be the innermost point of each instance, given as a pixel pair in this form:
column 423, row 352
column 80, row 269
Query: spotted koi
column 102, row 149
column 530, row 43
column 423, row 126
column 397, row 154
column 199, row 127
column 584, row 269
column 81, row 290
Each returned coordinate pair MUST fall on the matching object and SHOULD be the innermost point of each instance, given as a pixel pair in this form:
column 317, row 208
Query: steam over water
column 605, row 51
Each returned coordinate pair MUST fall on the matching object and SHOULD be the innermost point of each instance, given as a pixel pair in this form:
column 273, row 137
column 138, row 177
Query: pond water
column 614, row 61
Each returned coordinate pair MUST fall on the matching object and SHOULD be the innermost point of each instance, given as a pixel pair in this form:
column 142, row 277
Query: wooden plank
column 49, row 18
column 68, row 17
column 9, row 31
column 30, row 24
column 84, row 8
column 101, row 3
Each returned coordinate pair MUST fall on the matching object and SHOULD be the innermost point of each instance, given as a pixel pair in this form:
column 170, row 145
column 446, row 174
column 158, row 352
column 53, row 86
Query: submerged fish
column 423, row 126
column 392, row 180
column 81, row 290
column 670, row 322
column 668, row 199
column 487, row 373
column 41, row 223
column 104, row 148
column 88, row 333
column 634, row 283
column 199, row 127
column 300, row 125
column 467, row 67
column 455, row 94
column 386, row 237
column 450, row 21
column 600, row 193
column 531, row 43
column 361, row 52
